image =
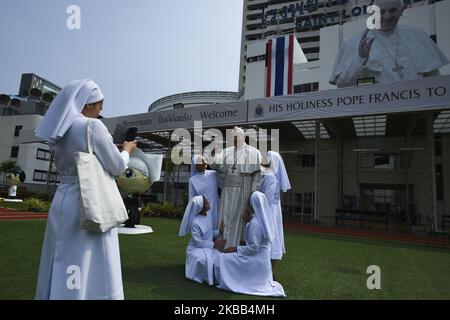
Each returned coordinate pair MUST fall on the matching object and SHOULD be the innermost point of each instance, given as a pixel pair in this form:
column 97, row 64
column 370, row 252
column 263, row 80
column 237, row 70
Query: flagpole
column 265, row 71
column 293, row 29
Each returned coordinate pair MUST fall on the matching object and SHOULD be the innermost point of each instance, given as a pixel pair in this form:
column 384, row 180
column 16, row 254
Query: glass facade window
column 384, row 160
column 308, row 160
column 437, row 145
column 384, row 199
column 303, row 206
column 439, row 183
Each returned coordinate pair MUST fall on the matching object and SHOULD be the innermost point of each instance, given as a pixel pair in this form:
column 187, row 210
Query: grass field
column 20, row 206
column 315, row 267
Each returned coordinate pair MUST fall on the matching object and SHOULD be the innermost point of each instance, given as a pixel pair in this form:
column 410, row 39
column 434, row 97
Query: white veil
column 277, row 165
column 193, row 208
column 66, row 107
column 262, row 211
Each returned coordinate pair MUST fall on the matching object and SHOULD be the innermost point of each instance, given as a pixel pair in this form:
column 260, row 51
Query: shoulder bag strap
column 90, row 138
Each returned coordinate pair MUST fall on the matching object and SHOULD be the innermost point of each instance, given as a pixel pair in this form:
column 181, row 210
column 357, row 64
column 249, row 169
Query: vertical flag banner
column 281, row 53
column 279, row 60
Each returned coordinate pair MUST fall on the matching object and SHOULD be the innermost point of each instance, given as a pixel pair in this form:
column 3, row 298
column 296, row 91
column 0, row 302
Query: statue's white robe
column 238, row 184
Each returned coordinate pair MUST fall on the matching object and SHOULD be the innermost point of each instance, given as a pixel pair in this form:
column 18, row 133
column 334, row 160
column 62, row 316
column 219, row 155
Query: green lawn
column 20, row 206
column 316, row 266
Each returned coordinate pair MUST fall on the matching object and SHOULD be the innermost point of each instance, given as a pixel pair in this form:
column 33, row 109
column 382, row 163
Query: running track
column 423, row 239
column 7, row 214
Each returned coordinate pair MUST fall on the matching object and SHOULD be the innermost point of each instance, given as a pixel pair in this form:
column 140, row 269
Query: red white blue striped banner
column 279, row 63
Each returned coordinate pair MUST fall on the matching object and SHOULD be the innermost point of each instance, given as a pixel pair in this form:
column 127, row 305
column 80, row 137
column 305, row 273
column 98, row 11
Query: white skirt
column 75, row 263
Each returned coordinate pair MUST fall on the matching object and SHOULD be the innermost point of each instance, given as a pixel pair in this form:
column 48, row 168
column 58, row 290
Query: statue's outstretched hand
column 364, row 46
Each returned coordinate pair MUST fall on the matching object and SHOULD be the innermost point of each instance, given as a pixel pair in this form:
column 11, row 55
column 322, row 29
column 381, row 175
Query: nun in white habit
column 76, row 263
column 275, row 180
column 200, row 252
column 247, row 269
column 204, row 183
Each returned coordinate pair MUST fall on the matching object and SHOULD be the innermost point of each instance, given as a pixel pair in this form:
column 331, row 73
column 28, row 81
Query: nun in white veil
column 275, row 180
column 204, row 182
column 201, row 251
column 247, row 269
column 76, row 263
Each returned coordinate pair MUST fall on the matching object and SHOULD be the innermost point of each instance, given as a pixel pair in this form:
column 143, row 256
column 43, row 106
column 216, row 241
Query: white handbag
column 101, row 205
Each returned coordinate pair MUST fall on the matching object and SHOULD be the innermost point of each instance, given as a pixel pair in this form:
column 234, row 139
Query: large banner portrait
column 387, row 49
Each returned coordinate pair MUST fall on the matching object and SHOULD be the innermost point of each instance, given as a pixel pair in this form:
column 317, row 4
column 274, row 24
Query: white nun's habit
column 275, row 180
column 76, row 263
column 205, row 184
column 249, row 270
column 200, row 252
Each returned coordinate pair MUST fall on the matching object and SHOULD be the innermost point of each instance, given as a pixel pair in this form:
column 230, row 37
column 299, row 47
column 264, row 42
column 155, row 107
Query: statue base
column 138, row 229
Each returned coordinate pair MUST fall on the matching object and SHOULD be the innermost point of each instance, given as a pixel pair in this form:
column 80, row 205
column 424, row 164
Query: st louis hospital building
column 347, row 150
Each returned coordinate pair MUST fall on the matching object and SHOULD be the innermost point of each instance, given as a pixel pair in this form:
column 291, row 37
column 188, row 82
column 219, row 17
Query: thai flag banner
column 279, row 64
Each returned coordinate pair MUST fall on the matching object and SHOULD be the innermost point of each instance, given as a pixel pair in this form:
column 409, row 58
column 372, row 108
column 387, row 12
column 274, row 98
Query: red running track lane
column 2, row 209
column 402, row 237
column 8, row 214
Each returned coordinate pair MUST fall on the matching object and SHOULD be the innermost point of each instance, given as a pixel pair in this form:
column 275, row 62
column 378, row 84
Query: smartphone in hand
column 131, row 134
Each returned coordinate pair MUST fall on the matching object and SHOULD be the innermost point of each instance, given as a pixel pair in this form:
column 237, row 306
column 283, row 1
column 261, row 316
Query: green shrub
column 36, row 205
column 37, row 194
column 162, row 210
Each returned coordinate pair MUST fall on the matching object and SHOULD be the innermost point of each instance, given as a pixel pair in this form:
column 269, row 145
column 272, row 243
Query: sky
column 136, row 50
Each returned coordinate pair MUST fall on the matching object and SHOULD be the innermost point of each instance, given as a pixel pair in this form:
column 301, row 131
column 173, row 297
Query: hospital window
column 41, row 176
column 17, row 131
column 42, row 154
column 14, row 152
column 306, row 87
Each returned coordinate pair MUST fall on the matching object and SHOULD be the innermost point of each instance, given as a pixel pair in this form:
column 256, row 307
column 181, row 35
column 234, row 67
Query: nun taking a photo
column 76, row 263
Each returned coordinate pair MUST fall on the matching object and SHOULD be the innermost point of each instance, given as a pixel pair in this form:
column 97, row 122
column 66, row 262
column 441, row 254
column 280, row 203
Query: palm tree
column 7, row 166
